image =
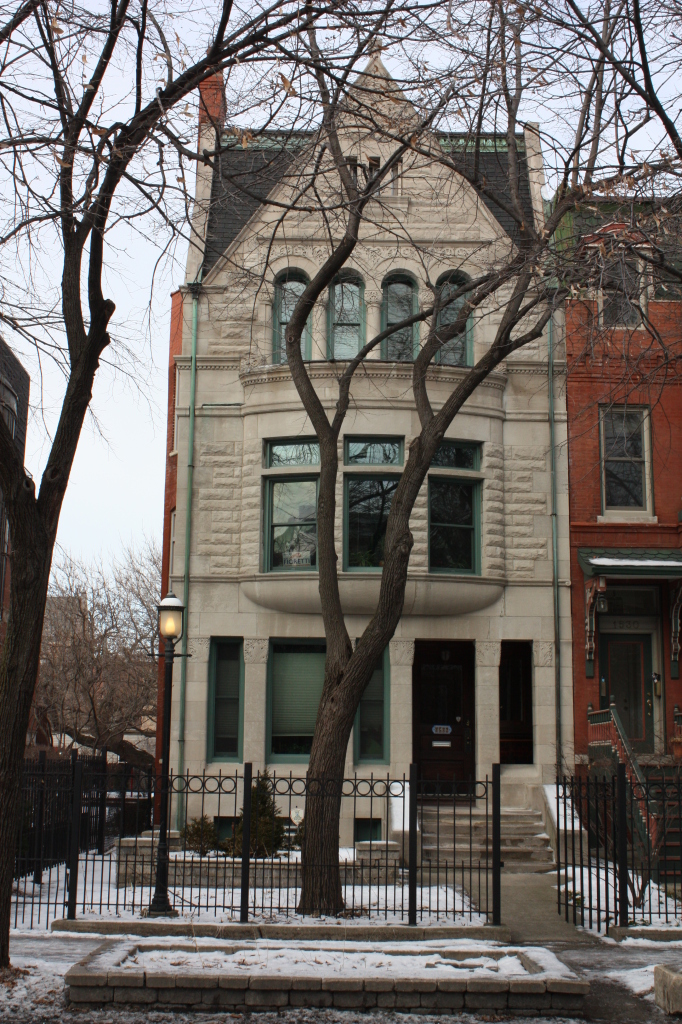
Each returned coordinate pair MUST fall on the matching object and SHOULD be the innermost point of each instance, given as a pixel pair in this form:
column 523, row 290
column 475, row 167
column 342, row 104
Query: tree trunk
column 30, row 570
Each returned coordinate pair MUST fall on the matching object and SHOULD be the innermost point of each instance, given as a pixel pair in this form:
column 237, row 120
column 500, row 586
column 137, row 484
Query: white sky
column 115, row 494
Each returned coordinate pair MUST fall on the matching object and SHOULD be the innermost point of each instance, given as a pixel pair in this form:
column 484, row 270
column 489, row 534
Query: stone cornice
column 374, row 369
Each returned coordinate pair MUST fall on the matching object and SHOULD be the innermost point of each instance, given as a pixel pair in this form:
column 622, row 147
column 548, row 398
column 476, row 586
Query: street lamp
column 171, row 622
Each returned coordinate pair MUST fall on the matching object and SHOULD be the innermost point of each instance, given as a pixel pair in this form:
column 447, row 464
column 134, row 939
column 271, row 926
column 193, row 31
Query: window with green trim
column 457, row 455
column 292, row 451
column 400, row 302
column 373, row 451
column 296, row 681
column 367, row 505
column 370, row 733
column 367, row 830
column 454, row 525
column 289, row 287
column 291, row 523
column 226, row 689
column 458, row 351
column 346, row 318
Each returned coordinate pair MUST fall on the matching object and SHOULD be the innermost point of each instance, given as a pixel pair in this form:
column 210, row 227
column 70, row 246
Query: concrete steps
column 460, row 837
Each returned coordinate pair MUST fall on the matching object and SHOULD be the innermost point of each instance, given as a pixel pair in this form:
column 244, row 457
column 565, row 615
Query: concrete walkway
column 529, row 909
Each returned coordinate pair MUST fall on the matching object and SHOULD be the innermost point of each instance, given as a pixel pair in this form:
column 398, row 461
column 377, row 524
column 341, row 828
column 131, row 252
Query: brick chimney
column 212, row 108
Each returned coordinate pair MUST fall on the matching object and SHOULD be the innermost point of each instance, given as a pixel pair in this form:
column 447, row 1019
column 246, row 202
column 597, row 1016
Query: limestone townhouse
column 471, row 675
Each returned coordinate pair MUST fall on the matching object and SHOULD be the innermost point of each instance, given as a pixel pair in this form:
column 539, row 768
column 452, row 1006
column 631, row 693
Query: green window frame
column 457, row 455
column 349, row 482
column 390, row 314
column 376, row 450
column 295, row 531
column 370, row 714
column 351, row 317
column 221, row 694
column 282, row 307
column 286, row 452
column 474, row 528
column 447, row 354
column 294, row 688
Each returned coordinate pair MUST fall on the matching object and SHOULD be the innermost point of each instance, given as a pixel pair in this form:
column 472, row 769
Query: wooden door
column 443, row 710
column 625, row 667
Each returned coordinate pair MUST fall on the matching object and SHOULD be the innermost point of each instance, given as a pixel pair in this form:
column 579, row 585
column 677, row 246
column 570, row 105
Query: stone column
column 487, row 706
column 401, row 656
column 255, row 700
column 544, row 708
column 373, row 300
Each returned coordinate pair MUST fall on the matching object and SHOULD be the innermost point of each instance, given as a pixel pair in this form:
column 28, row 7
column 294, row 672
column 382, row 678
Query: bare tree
column 97, row 677
column 492, row 65
column 93, row 138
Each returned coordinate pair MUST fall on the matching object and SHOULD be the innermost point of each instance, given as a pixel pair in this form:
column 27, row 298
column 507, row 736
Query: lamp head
column 171, row 616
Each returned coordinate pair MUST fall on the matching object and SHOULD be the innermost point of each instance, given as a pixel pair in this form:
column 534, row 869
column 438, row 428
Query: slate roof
column 243, row 178
column 19, row 380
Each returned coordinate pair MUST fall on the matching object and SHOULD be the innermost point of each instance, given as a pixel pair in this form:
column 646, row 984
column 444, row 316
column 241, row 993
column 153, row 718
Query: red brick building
column 624, row 407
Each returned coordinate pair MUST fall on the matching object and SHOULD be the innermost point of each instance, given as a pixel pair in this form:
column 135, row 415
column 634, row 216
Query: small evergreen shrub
column 200, row 836
column 267, row 826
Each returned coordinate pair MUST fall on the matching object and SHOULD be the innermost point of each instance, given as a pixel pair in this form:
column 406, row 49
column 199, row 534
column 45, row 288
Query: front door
column 443, row 710
column 625, row 672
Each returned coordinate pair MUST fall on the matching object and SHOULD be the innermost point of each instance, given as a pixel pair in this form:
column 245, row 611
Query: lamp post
column 171, row 622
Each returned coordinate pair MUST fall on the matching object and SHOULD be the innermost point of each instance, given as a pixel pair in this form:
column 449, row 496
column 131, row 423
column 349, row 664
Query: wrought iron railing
column 410, row 852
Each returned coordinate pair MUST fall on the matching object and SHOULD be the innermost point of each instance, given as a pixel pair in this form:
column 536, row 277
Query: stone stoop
column 93, row 983
column 524, row 844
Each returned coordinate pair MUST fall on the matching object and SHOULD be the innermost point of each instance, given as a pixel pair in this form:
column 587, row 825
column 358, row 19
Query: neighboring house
column 624, row 398
column 14, row 388
column 470, row 677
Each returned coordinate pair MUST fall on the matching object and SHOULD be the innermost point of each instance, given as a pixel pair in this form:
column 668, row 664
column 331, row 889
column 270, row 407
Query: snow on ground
column 35, row 906
column 639, row 981
column 600, row 888
column 308, row 962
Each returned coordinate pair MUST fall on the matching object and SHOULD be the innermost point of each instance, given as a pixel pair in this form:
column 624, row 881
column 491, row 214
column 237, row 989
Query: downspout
column 195, row 288
column 555, row 547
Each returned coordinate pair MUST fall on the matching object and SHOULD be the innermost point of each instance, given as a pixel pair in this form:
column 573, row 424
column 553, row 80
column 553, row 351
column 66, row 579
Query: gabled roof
column 244, row 177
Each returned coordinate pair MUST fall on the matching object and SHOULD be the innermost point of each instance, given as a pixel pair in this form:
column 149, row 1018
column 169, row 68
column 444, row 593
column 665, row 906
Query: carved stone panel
column 488, row 653
column 255, row 651
column 401, row 652
column 543, row 653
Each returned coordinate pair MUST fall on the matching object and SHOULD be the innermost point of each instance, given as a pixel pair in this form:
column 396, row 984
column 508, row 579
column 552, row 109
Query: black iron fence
column 409, row 851
column 619, row 848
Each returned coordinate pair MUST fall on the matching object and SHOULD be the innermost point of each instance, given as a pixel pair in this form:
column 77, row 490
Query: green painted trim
column 472, row 446
column 311, row 439
column 267, row 518
column 269, row 756
column 399, row 278
column 477, row 491
column 180, row 809
column 352, row 278
column 663, row 572
column 371, row 439
column 307, row 336
column 346, row 478
column 386, row 759
column 468, row 330
column 210, row 710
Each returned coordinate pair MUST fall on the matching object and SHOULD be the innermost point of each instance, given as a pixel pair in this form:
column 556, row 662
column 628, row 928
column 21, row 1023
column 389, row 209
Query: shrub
column 267, row 827
column 200, row 835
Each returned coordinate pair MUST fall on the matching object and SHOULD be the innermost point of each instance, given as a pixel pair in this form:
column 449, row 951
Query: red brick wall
column 622, row 367
column 174, row 349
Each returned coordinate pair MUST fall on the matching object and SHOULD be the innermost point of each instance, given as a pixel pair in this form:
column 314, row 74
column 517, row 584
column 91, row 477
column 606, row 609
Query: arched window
column 399, row 302
column 459, row 350
column 346, row 318
column 289, row 287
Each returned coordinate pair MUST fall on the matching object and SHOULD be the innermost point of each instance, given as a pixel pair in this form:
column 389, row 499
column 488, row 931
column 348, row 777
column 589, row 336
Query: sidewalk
column 529, row 909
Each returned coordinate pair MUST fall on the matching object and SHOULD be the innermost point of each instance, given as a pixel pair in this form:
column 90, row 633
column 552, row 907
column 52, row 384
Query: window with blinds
column 297, row 677
column 225, row 685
